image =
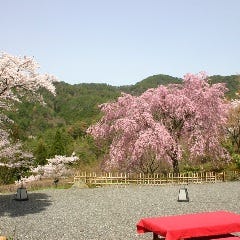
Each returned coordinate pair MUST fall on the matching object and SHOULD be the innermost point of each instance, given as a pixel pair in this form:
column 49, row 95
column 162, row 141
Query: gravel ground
column 107, row 213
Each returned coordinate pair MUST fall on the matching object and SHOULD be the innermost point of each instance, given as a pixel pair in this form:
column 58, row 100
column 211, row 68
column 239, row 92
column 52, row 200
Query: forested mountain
column 74, row 103
column 74, row 108
column 150, row 82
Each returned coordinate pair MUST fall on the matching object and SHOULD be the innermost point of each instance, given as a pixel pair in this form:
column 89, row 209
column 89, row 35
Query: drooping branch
column 167, row 121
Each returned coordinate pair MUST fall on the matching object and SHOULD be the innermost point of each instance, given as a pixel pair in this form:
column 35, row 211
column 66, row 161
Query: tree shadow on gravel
column 36, row 202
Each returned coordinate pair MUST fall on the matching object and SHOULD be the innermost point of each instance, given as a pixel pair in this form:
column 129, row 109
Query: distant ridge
column 232, row 83
column 150, row 82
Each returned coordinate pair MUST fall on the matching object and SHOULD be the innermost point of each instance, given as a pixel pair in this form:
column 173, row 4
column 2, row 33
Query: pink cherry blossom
column 163, row 123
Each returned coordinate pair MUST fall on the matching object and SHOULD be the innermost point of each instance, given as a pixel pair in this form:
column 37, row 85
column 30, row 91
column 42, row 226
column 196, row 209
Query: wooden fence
column 155, row 179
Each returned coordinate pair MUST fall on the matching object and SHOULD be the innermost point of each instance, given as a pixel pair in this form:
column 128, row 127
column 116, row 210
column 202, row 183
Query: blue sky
column 121, row 42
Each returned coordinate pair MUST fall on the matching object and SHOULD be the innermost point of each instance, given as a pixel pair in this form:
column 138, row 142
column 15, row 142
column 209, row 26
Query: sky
column 121, row 42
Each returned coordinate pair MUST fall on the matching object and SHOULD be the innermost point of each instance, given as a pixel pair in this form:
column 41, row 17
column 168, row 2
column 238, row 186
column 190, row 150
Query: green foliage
column 89, row 154
column 77, row 129
column 58, row 146
column 80, row 102
column 236, row 159
column 59, row 143
column 41, row 153
column 7, row 175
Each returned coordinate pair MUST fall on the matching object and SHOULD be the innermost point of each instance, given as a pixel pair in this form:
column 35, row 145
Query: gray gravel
column 107, row 212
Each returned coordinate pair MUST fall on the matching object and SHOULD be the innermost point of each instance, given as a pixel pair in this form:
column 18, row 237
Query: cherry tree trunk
column 175, row 165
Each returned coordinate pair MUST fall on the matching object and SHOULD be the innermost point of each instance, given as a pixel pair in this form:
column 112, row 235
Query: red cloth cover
column 191, row 225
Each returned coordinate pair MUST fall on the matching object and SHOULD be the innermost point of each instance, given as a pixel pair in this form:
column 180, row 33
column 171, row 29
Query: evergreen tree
column 58, row 146
column 41, row 153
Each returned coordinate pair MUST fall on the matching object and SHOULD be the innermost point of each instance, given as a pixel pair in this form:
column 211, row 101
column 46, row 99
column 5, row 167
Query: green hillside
column 72, row 103
column 80, row 102
column 64, row 119
column 232, row 83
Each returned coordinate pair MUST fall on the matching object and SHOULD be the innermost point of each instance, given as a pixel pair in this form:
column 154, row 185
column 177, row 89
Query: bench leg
column 155, row 236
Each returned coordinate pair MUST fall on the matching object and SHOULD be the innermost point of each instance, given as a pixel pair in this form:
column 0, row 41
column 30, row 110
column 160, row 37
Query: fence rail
column 155, row 179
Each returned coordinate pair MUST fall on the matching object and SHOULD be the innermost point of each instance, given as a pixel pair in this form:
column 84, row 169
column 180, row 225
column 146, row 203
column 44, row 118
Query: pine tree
column 41, row 153
column 58, row 146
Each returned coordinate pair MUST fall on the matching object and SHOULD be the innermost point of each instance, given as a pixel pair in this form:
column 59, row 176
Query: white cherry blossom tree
column 19, row 81
column 55, row 168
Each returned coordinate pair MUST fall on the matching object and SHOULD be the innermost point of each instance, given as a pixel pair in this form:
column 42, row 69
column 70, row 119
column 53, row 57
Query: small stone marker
column 183, row 195
column 21, row 194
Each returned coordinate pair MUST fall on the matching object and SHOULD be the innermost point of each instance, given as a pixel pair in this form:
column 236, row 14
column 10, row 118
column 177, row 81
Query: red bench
column 192, row 226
